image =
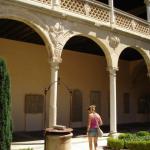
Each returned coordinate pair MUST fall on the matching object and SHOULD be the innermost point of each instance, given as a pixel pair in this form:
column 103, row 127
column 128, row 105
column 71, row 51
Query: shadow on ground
column 28, row 136
column 39, row 135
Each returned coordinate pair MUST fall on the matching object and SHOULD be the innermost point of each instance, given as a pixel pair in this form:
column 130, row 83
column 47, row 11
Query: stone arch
column 31, row 20
column 104, row 48
column 145, row 54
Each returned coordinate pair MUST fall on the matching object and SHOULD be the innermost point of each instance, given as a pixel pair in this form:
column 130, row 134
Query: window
column 95, row 99
column 144, row 104
column 34, row 103
column 76, row 106
column 126, row 103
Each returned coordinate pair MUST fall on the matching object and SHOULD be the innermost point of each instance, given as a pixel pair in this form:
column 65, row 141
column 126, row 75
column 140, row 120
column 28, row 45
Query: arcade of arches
column 54, row 79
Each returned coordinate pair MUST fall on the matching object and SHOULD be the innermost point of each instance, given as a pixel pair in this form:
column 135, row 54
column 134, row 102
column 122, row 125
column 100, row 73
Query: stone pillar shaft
column 53, row 94
column 113, row 106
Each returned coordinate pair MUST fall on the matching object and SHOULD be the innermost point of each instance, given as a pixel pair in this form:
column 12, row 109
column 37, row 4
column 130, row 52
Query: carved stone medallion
column 113, row 41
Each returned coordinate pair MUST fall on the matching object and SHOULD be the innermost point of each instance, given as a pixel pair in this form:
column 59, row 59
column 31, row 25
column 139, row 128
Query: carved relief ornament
column 112, row 70
column 58, row 36
column 87, row 9
column 113, row 41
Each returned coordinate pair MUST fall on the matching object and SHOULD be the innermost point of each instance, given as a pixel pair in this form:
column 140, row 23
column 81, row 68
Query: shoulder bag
column 99, row 130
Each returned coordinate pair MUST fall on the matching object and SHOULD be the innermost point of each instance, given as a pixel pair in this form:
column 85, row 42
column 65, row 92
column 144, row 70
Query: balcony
column 96, row 13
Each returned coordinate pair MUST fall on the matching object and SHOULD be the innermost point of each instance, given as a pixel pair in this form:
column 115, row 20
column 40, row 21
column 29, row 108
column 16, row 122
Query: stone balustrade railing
column 99, row 12
column 45, row 2
column 129, row 22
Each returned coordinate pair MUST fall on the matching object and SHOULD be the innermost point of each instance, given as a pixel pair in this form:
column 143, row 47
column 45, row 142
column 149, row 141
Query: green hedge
column 134, row 141
column 116, row 144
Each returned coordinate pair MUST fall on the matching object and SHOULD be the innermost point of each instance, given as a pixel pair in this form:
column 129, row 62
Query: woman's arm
column 100, row 121
column 89, row 122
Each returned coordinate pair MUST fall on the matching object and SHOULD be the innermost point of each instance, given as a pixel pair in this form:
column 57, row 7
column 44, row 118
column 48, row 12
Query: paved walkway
column 78, row 143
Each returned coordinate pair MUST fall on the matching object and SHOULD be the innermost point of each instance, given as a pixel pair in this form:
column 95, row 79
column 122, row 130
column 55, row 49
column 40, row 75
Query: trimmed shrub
column 147, row 145
column 127, row 136
column 137, row 145
column 5, row 116
column 136, row 141
column 143, row 133
column 116, row 144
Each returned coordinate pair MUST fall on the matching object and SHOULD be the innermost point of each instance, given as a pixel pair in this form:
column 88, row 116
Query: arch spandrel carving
column 58, row 35
column 113, row 40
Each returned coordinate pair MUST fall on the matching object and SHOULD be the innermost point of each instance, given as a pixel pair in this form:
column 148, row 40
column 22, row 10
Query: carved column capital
column 147, row 2
column 112, row 70
column 55, row 61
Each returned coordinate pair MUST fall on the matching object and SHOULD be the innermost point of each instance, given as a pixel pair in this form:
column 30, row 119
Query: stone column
column 147, row 2
column 112, row 15
column 113, row 106
column 53, row 93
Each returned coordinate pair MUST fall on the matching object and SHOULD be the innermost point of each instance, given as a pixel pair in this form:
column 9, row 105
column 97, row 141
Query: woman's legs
column 95, row 142
column 90, row 142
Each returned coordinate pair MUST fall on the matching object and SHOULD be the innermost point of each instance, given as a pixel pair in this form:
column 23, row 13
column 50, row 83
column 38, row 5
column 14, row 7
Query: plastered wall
column 30, row 73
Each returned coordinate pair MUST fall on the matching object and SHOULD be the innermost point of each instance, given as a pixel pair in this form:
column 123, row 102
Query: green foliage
column 116, row 144
column 5, row 116
column 138, row 145
column 127, row 136
column 136, row 141
column 143, row 133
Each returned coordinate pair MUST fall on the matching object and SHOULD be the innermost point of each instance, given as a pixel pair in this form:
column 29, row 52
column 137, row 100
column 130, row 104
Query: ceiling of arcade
column 11, row 29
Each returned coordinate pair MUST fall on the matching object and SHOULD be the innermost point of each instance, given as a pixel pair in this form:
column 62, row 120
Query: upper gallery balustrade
column 96, row 12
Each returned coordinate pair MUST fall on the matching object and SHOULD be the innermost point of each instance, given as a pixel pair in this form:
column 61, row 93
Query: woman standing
column 94, row 121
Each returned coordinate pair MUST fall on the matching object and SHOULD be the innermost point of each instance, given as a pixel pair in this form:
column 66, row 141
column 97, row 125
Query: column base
column 114, row 134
